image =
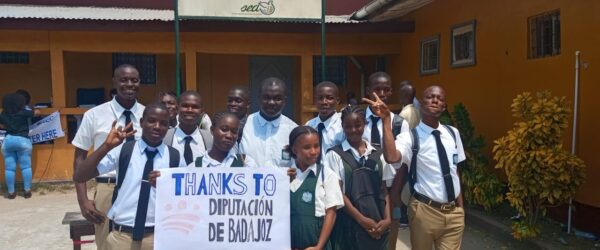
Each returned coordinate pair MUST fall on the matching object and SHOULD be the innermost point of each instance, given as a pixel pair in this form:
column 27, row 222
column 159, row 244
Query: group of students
column 343, row 166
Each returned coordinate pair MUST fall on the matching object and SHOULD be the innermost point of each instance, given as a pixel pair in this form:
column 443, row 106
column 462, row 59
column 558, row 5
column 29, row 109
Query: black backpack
column 363, row 183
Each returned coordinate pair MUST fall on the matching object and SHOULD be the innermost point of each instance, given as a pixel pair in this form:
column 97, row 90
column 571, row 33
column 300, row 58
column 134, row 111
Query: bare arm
column 384, row 224
column 379, row 108
column 398, row 183
column 87, row 206
column 366, row 223
column 459, row 199
column 328, row 223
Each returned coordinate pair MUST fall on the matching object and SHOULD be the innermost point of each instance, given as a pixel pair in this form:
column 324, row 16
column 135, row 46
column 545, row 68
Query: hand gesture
column 118, row 134
column 378, row 107
column 90, row 213
column 368, row 225
column 152, row 177
column 291, row 172
column 381, row 227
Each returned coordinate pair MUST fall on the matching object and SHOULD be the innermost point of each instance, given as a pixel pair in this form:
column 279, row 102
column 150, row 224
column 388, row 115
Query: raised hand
column 118, row 134
column 378, row 107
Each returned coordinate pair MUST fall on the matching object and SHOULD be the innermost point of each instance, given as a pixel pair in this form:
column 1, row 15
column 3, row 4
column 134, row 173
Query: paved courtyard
column 36, row 224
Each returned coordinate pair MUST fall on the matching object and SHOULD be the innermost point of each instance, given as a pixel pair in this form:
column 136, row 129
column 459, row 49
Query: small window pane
column 463, row 44
column 336, row 67
column 430, row 55
column 544, row 35
column 14, row 58
column 145, row 64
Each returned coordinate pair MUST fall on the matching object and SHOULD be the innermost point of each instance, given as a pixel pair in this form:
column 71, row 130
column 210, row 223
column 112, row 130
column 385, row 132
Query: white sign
column 2, row 135
column 46, row 129
column 251, row 9
column 222, row 208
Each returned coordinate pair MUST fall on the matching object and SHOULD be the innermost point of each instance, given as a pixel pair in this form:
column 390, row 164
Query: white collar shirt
column 430, row 181
column 327, row 192
column 209, row 162
column 124, row 208
column 336, row 163
column 265, row 140
column 197, row 143
column 97, row 123
column 367, row 132
column 333, row 134
column 411, row 115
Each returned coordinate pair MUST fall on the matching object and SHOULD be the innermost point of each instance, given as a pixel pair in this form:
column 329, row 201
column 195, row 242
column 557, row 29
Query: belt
column 127, row 229
column 106, row 179
column 444, row 207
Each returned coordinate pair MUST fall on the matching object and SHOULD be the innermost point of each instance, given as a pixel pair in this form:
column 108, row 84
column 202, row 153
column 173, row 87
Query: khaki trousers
column 103, row 201
column 431, row 227
column 122, row 241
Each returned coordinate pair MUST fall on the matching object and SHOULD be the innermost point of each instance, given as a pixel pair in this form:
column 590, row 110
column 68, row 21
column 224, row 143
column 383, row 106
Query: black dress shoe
column 27, row 195
column 12, row 195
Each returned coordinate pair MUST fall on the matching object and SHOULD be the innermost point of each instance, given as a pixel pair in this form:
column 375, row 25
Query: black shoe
column 12, row 195
column 27, row 195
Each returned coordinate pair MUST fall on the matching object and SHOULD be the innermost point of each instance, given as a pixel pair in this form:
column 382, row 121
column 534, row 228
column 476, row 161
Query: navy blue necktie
column 142, row 206
column 445, row 164
column 320, row 129
column 187, row 150
column 127, row 115
column 375, row 136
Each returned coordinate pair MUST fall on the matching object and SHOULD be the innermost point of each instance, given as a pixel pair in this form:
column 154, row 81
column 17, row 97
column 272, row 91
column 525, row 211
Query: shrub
column 540, row 172
column 480, row 185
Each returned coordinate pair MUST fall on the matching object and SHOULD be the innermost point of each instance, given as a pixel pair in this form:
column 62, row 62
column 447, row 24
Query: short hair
column 378, row 74
column 153, row 106
column 272, row 81
column 328, row 84
column 353, row 109
column 189, row 93
column 296, row 133
column 244, row 89
column 217, row 117
column 162, row 94
column 13, row 103
column 25, row 95
column 123, row 66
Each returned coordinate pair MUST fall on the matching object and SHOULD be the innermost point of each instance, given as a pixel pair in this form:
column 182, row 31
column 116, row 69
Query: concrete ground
column 36, row 224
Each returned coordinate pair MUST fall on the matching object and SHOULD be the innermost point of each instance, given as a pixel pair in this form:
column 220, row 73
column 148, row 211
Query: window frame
column 137, row 58
column 530, row 36
column 468, row 62
column 424, row 41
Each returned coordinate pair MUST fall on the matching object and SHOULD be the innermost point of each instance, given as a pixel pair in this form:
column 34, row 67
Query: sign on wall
column 46, row 129
column 251, row 9
column 222, row 208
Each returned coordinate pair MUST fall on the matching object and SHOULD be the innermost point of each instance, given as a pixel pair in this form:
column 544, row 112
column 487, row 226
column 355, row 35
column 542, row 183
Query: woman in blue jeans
column 16, row 147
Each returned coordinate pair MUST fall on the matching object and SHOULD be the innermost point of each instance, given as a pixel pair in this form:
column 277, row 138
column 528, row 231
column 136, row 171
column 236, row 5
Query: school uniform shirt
column 411, row 115
column 367, row 132
column 97, row 123
column 429, row 171
column 264, row 140
column 335, row 162
column 327, row 192
column 197, row 143
column 333, row 134
column 208, row 161
column 124, row 208
column 205, row 122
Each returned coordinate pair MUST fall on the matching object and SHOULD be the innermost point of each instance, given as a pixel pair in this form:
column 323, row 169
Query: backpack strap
column 239, row 161
column 451, row 131
column 207, row 138
column 374, row 160
column 124, row 159
column 173, row 157
column 169, row 136
column 198, row 161
column 349, row 164
column 412, row 171
column 397, row 125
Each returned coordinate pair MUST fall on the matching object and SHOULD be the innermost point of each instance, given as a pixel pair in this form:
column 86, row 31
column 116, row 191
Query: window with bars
column 336, row 67
column 145, row 64
column 430, row 55
column 544, row 34
column 462, row 43
column 14, row 58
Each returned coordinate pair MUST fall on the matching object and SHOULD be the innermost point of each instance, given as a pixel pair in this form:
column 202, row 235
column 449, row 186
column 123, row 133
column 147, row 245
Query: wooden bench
column 78, row 226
